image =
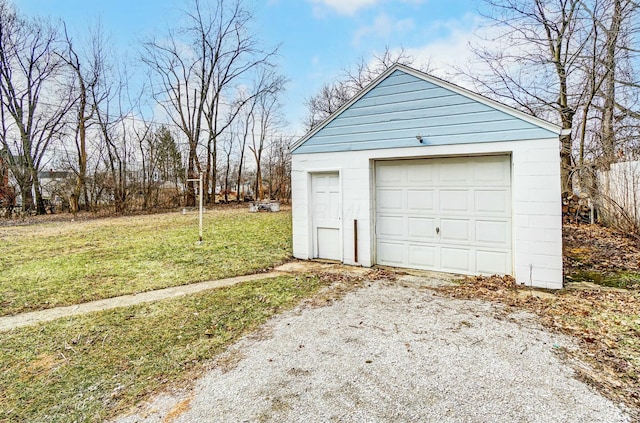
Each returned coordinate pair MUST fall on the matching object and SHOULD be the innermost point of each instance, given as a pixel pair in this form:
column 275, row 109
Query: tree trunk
column 80, row 187
column 27, row 196
column 226, row 179
column 259, row 193
column 39, row 203
column 566, row 115
column 607, row 134
column 190, row 200
column 240, row 194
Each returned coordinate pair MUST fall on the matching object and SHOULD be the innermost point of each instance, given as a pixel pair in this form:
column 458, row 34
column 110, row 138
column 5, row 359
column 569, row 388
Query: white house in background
column 415, row 172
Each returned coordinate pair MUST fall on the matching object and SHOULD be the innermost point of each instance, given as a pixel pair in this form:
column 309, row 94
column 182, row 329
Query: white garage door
column 450, row 215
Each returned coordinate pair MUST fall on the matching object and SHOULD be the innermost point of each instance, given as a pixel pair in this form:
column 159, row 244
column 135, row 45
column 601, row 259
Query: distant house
column 416, row 172
column 53, row 184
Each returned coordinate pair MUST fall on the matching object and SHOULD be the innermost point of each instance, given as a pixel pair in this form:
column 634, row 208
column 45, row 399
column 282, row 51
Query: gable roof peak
column 438, row 82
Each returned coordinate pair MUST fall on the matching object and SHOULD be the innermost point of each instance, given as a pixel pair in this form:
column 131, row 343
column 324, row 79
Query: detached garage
column 415, row 172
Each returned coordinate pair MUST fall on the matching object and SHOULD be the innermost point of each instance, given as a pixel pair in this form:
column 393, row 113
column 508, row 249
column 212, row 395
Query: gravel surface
column 390, row 352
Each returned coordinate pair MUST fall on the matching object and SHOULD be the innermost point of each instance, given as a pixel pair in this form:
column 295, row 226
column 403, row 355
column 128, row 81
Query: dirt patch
column 178, row 410
column 229, row 360
column 45, row 363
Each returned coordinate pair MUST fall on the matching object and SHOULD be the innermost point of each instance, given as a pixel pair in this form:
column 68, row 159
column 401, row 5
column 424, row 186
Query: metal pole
column 201, row 197
column 355, row 241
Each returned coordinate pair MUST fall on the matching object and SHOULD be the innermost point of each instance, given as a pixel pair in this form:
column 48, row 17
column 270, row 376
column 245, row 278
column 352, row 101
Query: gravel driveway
column 390, row 352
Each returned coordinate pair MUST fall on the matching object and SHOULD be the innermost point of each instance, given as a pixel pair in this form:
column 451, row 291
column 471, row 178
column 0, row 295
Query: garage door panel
column 493, row 262
column 421, row 200
column 497, row 233
column 390, row 226
column 455, row 230
column 390, row 199
column 418, row 174
column 391, row 253
column 495, row 171
column 445, row 214
column 492, row 201
column 422, row 228
column 388, row 175
column 456, row 259
column 422, row 255
column 455, row 171
column 454, row 200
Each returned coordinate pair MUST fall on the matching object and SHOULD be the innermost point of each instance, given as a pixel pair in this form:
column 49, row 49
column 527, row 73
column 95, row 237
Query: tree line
column 67, row 102
column 71, row 105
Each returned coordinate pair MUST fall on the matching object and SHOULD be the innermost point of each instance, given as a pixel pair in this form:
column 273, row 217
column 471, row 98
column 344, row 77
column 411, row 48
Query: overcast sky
column 318, row 38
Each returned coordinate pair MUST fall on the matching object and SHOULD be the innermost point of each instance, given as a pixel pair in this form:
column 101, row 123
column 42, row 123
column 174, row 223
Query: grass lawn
column 54, row 264
column 92, row 367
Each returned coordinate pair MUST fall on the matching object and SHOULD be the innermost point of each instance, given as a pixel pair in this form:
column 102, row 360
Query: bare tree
column 533, row 62
column 86, row 71
column 617, row 21
column 114, row 122
column 179, row 92
column 228, row 148
column 235, row 56
column 242, row 132
column 265, row 119
column 32, row 100
column 198, row 67
column 279, row 169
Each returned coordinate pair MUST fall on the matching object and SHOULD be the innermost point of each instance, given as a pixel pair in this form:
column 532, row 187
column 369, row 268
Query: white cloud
column 350, row 7
column 383, row 26
column 345, row 7
column 452, row 50
column 443, row 55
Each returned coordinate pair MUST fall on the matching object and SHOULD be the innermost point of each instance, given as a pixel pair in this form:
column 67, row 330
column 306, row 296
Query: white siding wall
column 537, row 223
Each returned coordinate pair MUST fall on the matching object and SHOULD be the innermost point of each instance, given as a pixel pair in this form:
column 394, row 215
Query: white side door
column 325, row 215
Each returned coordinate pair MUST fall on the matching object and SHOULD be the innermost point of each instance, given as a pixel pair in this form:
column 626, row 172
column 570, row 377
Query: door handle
column 437, row 230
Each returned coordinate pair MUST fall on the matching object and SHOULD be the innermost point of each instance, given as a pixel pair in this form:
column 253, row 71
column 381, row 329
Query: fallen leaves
column 604, row 322
column 597, row 248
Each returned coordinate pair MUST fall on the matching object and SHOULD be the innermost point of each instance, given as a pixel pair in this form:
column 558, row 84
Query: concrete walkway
column 32, row 318
column 294, row 267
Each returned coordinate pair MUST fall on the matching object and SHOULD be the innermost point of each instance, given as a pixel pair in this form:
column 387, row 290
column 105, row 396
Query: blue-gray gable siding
column 402, row 106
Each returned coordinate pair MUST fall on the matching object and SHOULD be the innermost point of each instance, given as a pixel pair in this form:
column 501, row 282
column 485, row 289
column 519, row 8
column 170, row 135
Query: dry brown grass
column 605, row 323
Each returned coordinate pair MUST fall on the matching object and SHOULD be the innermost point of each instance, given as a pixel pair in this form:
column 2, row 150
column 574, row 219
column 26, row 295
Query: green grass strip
column 55, row 264
column 93, row 367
